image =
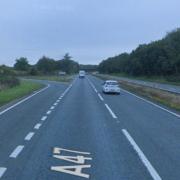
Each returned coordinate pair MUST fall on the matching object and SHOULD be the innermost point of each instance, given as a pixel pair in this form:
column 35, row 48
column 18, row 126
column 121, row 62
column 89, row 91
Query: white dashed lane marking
column 52, row 107
column 43, row 118
column 141, row 155
column 100, row 97
column 111, row 112
column 2, row 171
column 17, row 151
column 37, row 126
column 48, row 112
column 29, row 136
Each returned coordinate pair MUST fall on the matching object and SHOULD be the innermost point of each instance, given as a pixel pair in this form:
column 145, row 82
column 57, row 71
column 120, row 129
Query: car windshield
column 112, row 83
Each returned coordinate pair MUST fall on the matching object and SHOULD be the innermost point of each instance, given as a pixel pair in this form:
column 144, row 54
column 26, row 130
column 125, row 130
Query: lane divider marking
column 111, row 112
column 37, row 126
column 29, row 136
column 101, row 98
column 141, row 155
column 2, row 171
column 55, row 104
column 52, row 107
column 48, row 112
column 43, row 118
column 16, row 151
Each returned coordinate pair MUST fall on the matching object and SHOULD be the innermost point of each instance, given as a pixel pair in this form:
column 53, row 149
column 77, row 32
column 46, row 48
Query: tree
column 21, row 64
column 46, row 65
column 160, row 58
column 67, row 57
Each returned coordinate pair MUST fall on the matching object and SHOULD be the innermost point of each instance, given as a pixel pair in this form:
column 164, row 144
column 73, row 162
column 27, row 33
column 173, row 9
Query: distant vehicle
column 111, row 86
column 82, row 74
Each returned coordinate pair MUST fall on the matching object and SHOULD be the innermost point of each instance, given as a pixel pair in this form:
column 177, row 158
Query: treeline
column 46, row 65
column 159, row 58
column 88, row 67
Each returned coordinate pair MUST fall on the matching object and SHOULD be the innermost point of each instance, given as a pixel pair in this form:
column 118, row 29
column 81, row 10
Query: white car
column 111, row 86
column 82, row 74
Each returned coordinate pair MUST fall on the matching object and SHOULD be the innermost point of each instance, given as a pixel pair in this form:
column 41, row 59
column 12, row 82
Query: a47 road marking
column 76, row 158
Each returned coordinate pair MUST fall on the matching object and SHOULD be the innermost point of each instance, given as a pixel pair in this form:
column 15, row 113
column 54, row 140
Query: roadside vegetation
column 156, row 59
column 63, row 78
column 46, row 66
column 22, row 89
column 12, row 88
column 168, row 99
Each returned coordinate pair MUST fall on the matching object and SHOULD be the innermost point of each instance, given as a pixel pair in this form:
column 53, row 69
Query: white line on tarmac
column 16, row 151
column 37, row 126
column 111, row 112
column 48, row 112
column 2, row 171
column 11, row 107
column 164, row 109
column 101, row 98
column 141, row 155
column 52, row 107
column 29, row 136
column 43, row 118
column 95, row 90
column 55, row 104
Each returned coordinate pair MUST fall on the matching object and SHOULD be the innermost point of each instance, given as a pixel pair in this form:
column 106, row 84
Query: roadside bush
column 8, row 82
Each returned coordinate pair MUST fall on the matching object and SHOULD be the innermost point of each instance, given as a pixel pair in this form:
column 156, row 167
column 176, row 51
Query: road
column 166, row 87
column 74, row 132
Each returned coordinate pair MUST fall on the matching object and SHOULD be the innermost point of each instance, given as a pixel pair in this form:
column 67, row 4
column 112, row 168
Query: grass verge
column 25, row 88
column 66, row 78
column 159, row 79
column 163, row 97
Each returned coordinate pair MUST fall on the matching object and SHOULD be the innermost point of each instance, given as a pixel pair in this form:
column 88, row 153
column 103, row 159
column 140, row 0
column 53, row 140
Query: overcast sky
column 90, row 30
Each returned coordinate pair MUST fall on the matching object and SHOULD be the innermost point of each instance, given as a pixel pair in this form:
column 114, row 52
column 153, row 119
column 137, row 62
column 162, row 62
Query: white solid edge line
column 2, row 171
column 29, row 136
column 101, row 98
column 43, row 118
column 9, row 108
column 16, row 151
column 141, row 155
column 37, row 126
column 164, row 109
column 111, row 112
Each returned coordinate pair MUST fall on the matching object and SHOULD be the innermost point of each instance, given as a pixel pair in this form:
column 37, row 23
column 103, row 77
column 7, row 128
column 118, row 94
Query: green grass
column 25, row 88
column 66, row 78
column 158, row 79
column 168, row 99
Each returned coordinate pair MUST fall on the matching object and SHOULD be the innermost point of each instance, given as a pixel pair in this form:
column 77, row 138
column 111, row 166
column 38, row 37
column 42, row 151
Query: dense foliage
column 159, row 58
column 7, row 78
column 46, row 65
column 88, row 67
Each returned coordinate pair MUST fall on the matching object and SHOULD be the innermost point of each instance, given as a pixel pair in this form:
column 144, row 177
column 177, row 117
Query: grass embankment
column 66, row 78
column 159, row 79
column 24, row 88
column 163, row 97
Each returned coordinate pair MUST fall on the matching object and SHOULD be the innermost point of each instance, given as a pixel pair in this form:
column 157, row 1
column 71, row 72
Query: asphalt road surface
column 74, row 132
